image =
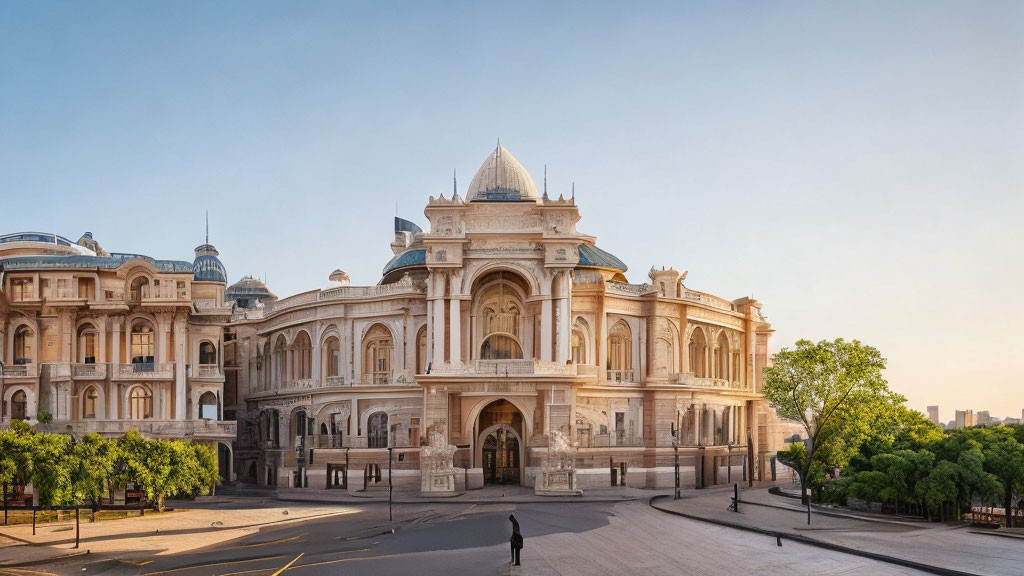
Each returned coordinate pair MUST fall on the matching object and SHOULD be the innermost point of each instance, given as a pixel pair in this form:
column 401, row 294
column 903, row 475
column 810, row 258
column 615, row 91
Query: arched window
column 620, row 353
column 698, row 353
column 87, row 344
column 377, row 349
column 302, row 366
column 501, row 347
column 140, row 403
column 89, row 400
column 139, row 288
column 208, row 406
column 377, row 430
column 24, row 346
column 331, row 357
column 578, row 341
column 498, row 308
column 421, row 351
column 19, row 406
column 722, row 366
column 142, row 344
column 207, row 353
column 279, row 361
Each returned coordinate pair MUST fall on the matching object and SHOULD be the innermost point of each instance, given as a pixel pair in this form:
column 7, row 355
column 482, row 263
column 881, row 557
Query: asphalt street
column 423, row 539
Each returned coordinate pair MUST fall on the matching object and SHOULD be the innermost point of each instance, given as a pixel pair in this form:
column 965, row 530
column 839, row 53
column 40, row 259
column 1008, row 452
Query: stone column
column 640, row 355
column 545, row 329
column 455, row 331
column 563, row 327
column 353, row 420
column 430, row 329
column 179, row 368
column 410, row 344
column 438, row 353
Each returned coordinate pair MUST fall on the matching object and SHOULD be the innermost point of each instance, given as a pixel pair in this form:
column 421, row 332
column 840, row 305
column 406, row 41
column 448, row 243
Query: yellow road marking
column 214, row 564
column 137, row 562
column 279, row 541
column 22, row 572
column 246, row 572
column 288, row 565
column 345, row 560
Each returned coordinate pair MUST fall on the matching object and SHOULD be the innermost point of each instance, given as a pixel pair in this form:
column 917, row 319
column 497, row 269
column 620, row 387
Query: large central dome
column 501, row 178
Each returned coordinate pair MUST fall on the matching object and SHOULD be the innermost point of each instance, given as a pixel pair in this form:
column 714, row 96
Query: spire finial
column 207, row 226
column 545, row 179
column 455, row 181
column 574, row 190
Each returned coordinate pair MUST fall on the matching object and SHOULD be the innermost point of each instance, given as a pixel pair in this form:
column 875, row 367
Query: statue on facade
column 437, row 471
column 558, row 476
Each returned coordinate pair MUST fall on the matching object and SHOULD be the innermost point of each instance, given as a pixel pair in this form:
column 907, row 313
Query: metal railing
column 620, row 375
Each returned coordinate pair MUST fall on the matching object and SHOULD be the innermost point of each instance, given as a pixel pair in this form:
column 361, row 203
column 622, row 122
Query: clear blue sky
column 858, row 167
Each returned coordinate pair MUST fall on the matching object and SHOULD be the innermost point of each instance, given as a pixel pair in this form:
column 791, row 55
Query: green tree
column 836, row 391
column 52, row 463
column 939, row 488
column 1005, row 460
column 93, row 458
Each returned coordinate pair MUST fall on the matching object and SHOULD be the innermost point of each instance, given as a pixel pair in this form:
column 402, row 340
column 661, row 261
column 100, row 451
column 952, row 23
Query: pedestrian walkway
column 155, row 534
column 946, row 547
column 490, row 494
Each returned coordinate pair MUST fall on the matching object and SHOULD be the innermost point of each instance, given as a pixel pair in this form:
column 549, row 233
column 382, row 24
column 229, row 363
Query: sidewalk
column 154, row 534
column 934, row 547
column 487, row 494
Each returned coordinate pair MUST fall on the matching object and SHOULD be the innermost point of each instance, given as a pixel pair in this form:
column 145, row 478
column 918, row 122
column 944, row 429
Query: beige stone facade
column 108, row 342
column 499, row 324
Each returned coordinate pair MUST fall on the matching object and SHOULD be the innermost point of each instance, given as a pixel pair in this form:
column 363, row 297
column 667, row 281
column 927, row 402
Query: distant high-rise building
column 964, row 418
column 982, row 418
column 933, row 414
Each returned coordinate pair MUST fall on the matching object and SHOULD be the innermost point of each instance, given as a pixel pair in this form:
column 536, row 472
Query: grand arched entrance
column 501, row 433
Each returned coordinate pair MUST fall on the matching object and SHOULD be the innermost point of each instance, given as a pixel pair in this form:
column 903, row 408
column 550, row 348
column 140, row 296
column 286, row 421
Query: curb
column 359, row 501
column 813, row 542
column 45, row 560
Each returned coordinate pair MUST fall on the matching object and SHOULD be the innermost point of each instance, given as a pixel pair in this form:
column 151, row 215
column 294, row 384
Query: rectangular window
column 142, row 348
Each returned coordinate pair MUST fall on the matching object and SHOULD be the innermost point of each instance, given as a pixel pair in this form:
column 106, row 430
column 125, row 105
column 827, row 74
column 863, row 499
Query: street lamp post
column 390, row 484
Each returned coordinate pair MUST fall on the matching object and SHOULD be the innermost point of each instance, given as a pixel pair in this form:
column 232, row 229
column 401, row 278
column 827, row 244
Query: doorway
column 501, row 444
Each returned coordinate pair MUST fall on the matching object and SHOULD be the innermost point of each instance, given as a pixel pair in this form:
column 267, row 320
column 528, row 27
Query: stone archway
column 500, row 446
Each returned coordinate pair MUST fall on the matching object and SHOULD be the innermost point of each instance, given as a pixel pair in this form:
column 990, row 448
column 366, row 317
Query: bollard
column 77, row 526
column 735, row 497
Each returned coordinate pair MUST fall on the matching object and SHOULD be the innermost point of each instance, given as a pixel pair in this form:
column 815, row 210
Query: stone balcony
column 504, row 368
column 88, row 371
column 207, row 371
column 144, row 371
column 194, row 429
column 688, row 379
column 12, row 371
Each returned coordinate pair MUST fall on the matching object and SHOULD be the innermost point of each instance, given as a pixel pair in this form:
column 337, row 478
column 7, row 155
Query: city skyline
column 883, row 163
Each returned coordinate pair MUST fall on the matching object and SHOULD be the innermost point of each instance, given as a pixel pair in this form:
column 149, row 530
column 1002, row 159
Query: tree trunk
column 1007, row 503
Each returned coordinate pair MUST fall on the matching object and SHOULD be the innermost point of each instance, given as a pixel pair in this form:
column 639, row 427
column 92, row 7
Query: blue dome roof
column 209, row 269
column 414, row 257
column 595, row 257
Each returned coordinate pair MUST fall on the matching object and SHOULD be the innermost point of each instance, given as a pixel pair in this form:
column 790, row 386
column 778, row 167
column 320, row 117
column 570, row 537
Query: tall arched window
column 142, row 343
column 24, row 346
column 421, row 351
column 140, row 403
column 377, row 349
column 89, row 400
column 377, row 430
column 302, row 366
column 722, row 368
column 498, row 308
column 87, row 344
column 19, row 406
column 578, row 341
column 139, row 288
column 207, row 353
column 331, row 357
column 698, row 353
column 620, row 353
column 279, row 361
column 208, row 406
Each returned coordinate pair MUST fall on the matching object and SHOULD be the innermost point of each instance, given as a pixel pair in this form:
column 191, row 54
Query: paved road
column 562, row 539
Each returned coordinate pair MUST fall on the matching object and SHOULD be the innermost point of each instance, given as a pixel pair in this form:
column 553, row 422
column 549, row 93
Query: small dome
column 247, row 291
column 414, row 257
column 207, row 267
column 501, row 178
column 594, row 257
column 339, row 277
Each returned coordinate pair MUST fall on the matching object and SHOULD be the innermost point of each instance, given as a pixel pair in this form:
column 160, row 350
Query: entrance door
column 501, row 457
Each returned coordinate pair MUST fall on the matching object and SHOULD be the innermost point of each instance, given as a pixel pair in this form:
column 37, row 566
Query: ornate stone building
column 92, row 341
column 501, row 323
